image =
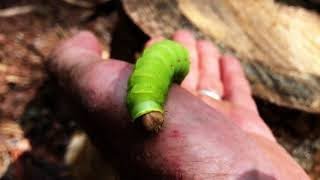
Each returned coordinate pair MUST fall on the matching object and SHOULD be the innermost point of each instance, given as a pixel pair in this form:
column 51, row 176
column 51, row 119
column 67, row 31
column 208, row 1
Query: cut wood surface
column 278, row 45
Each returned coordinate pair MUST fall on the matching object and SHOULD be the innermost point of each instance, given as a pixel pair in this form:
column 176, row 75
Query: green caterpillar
column 159, row 66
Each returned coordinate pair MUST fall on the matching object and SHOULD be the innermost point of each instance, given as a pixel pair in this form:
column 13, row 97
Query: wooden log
column 278, row 45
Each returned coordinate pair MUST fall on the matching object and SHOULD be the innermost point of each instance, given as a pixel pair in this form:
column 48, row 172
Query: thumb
column 83, row 48
column 100, row 86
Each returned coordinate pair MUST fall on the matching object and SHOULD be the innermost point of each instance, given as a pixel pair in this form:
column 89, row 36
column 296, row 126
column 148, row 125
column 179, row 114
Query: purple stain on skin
column 175, row 134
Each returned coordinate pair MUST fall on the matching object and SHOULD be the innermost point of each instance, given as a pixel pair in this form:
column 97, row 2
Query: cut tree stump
column 278, row 45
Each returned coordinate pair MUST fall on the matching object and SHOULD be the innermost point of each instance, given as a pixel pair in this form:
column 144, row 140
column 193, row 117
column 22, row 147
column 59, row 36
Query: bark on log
column 278, row 45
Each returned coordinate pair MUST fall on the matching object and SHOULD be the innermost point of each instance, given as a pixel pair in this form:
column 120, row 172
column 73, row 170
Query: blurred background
column 278, row 43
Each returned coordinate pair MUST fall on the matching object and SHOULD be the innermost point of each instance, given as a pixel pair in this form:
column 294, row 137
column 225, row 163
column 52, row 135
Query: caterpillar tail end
column 152, row 122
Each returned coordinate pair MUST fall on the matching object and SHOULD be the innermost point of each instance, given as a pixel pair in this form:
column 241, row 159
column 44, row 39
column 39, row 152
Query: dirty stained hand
column 202, row 138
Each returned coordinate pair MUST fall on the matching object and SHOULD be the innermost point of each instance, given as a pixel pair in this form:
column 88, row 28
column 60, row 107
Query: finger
column 81, row 46
column 93, row 82
column 209, row 67
column 236, row 86
column 187, row 40
column 84, row 40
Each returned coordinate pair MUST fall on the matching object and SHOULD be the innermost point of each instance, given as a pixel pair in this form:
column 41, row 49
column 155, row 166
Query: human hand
column 222, row 74
column 213, row 140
